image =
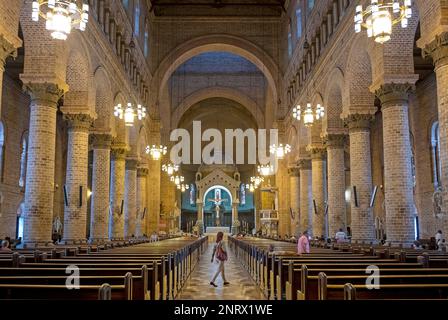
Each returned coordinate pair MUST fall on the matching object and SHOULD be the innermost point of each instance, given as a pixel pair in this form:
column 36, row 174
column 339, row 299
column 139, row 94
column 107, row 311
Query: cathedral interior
column 139, row 129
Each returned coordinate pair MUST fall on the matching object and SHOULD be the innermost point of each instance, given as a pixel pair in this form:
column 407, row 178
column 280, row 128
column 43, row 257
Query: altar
column 211, row 232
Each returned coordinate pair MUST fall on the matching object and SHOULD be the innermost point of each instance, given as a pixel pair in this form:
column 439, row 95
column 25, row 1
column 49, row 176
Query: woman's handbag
column 221, row 255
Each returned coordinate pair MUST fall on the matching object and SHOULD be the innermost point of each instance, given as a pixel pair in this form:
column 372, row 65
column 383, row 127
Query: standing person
column 303, row 245
column 220, row 253
column 340, row 236
column 439, row 238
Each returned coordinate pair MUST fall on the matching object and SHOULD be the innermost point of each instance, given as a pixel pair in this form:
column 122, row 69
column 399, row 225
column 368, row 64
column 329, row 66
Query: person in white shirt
column 439, row 238
column 340, row 236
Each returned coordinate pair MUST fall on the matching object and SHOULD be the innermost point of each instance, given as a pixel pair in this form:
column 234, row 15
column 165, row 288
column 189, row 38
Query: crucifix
column 217, row 202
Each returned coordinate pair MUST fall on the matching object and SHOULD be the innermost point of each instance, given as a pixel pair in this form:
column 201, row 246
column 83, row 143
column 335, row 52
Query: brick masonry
column 130, row 198
column 306, row 196
column 117, row 186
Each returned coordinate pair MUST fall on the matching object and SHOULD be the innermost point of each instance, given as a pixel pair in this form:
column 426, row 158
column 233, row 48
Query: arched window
column 2, row 149
column 137, row 18
column 146, row 41
column 289, row 41
column 435, row 154
column 23, row 160
column 299, row 22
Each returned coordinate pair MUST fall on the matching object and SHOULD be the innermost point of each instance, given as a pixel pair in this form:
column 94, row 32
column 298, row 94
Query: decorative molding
column 394, row 93
column 293, row 171
column 100, row 141
column 78, row 121
column 118, row 151
column 335, row 141
column 6, row 49
column 358, row 122
column 44, row 93
column 438, row 50
column 142, row 172
column 304, row 164
column 318, row 152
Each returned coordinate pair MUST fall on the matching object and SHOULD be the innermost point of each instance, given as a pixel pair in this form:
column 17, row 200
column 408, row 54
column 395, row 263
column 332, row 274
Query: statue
column 217, row 202
column 57, row 225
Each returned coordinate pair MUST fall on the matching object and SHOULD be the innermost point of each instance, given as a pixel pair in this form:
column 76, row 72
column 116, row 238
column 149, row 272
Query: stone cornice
column 101, row 141
column 359, row 122
column 394, row 93
column 438, row 50
column 78, row 121
column 44, row 93
column 304, row 164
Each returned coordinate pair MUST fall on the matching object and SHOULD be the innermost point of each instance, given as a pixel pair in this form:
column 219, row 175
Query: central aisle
column 241, row 287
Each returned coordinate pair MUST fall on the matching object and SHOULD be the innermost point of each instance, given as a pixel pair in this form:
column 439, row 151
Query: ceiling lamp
column 265, row 170
column 381, row 16
column 280, row 151
column 129, row 113
column 61, row 16
column 183, row 187
column 251, row 187
column 156, row 152
column 170, row 168
column 309, row 115
column 177, row 180
column 256, row 181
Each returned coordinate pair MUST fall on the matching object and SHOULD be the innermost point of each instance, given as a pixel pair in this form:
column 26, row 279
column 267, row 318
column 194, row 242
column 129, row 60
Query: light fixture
column 309, row 115
column 61, row 16
column 280, row 151
column 129, row 113
column 380, row 16
column 251, row 187
column 256, row 181
column 265, row 170
column 177, row 180
column 156, row 152
column 183, row 187
column 170, row 168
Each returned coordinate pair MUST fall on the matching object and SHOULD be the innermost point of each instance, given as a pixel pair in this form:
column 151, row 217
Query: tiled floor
column 241, row 285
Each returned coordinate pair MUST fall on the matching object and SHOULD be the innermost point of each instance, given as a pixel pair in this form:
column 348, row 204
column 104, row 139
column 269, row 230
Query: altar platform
column 211, row 232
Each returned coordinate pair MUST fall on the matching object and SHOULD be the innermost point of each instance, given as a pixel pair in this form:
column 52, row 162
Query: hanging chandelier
column 170, row 168
column 256, row 181
column 280, row 151
column 183, row 187
column 251, row 187
column 129, row 113
column 177, row 180
column 266, row 170
column 381, row 16
column 309, row 115
column 61, row 16
column 156, row 152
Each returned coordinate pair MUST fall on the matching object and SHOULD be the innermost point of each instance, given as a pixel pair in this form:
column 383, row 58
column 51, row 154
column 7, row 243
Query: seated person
column 4, row 247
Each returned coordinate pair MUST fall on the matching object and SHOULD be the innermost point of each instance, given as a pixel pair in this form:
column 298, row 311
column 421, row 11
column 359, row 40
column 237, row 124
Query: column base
column 98, row 240
column 73, row 241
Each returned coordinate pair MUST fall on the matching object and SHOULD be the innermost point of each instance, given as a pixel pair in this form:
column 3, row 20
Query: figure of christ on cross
column 217, row 201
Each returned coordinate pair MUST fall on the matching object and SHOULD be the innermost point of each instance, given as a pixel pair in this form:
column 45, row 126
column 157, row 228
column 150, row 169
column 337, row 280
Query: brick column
column 398, row 180
column 142, row 174
column 130, row 198
column 438, row 50
column 294, row 192
column 336, row 182
column 99, row 217
column 318, row 187
column 6, row 50
column 39, row 193
column 75, row 213
column 117, row 173
column 362, row 225
column 235, row 220
column 306, row 196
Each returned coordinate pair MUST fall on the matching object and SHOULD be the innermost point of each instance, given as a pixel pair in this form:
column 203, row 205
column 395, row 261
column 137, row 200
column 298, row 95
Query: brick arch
column 226, row 43
column 433, row 19
column 358, row 79
column 103, row 102
column 333, row 102
column 218, row 92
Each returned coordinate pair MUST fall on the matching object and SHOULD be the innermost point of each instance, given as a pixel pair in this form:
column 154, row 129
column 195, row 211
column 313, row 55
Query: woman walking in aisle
column 220, row 253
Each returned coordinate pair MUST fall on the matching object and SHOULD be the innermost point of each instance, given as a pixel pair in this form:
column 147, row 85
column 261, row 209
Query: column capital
column 318, row 152
column 118, row 151
column 78, row 121
column 6, row 49
column 335, row 141
column 100, row 140
column 131, row 164
column 293, row 171
column 45, row 93
column 358, row 122
column 142, row 172
column 438, row 50
column 391, row 93
column 304, row 164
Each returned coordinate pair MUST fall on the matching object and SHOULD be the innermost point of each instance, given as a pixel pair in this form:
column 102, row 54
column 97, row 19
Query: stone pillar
column 199, row 221
column 100, row 205
column 6, row 49
column 398, row 179
column 39, row 193
column 235, row 220
column 130, row 198
column 306, row 196
column 336, row 183
column 76, row 180
column 294, row 198
column 362, row 224
column 117, row 173
column 438, row 50
column 318, row 187
column 142, row 174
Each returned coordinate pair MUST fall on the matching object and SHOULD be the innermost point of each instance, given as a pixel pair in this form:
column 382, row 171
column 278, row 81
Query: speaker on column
column 65, row 196
column 144, row 213
column 373, row 197
column 122, row 206
column 315, row 206
column 80, row 196
column 355, row 197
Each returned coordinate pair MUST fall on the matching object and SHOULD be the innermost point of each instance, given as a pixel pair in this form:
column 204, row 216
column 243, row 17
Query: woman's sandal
column 213, row 284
